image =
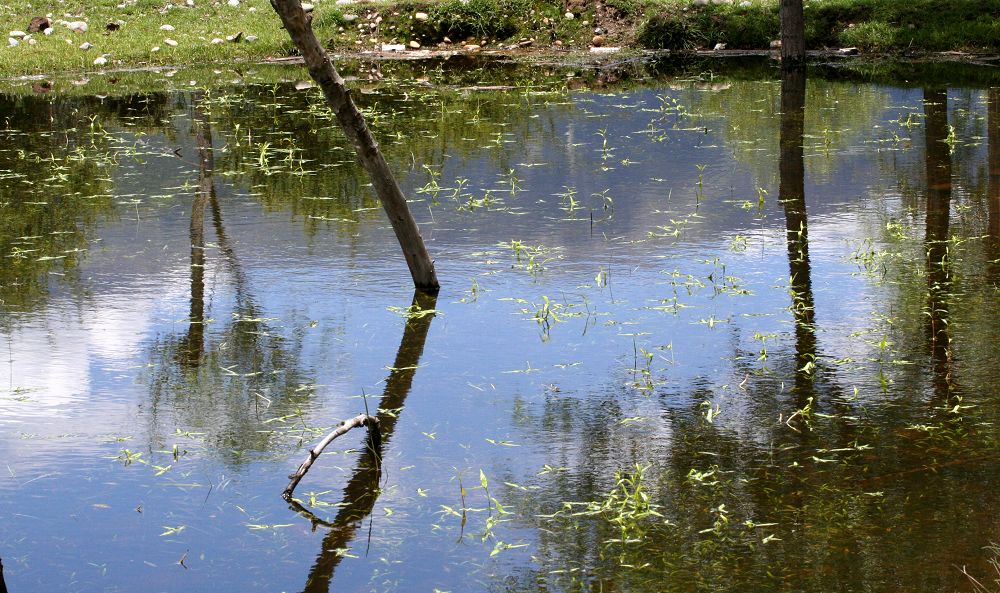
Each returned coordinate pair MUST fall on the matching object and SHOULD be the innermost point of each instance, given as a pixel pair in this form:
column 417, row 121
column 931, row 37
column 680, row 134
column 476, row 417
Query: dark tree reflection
column 791, row 192
column 362, row 490
column 193, row 346
column 937, row 162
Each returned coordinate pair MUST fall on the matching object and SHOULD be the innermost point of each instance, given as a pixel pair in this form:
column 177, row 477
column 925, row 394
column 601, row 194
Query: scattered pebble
column 251, row 38
column 414, row 44
column 233, row 3
column 306, row 7
column 17, row 34
column 155, row 49
column 719, row 47
column 166, row 27
column 597, row 41
column 421, row 16
column 100, row 61
column 13, row 42
column 570, row 16
column 78, row 26
column 86, row 45
column 170, row 42
column 217, row 41
column 471, row 47
column 49, row 31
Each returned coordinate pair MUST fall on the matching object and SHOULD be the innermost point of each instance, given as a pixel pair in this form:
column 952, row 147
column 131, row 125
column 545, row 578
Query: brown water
column 702, row 328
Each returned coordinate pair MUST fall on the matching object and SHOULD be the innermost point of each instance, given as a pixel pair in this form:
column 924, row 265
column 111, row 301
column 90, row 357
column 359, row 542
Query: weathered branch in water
column 374, row 437
column 353, row 123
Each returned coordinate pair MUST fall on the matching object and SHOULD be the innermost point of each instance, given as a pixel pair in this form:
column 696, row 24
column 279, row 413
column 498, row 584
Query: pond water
column 702, row 328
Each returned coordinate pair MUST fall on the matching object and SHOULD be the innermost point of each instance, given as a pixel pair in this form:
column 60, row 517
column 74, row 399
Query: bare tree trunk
column 353, row 124
column 793, row 31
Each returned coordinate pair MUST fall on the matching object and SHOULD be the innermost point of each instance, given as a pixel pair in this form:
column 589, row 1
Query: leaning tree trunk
column 793, row 31
column 353, row 124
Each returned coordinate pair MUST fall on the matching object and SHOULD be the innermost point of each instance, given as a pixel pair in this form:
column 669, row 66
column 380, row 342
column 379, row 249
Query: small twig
column 374, row 435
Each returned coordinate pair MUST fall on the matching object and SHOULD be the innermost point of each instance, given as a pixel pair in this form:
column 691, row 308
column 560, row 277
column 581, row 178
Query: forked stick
column 374, row 435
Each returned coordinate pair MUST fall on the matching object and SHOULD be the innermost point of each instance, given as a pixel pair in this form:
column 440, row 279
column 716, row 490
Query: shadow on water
column 362, row 490
column 3, row 583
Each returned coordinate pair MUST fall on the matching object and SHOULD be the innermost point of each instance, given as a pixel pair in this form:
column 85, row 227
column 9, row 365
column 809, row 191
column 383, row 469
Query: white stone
column 13, row 42
column 166, row 27
column 78, row 26
column 745, row 4
column 344, row 2
column 350, row 18
column 389, row 47
column 217, row 41
column 189, row 3
column 252, row 9
column 155, row 49
column 49, row 31
column 302, row 85
column 421, row 16
column 17, row 34
column 233, row 3
column 308, row 7
column 414, row 44
column 250, row 38
column 31, row 41
column 170, row 42
column 569, row 16
column 719, row 47
column 100, row 61
column 86, row 45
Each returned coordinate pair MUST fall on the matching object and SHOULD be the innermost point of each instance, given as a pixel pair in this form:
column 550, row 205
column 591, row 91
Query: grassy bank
column 136, row 33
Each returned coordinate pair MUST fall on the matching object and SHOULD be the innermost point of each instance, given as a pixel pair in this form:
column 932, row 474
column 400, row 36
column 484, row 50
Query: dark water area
column 703, row 327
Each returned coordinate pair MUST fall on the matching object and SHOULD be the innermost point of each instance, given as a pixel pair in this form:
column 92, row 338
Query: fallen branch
column 374, row 438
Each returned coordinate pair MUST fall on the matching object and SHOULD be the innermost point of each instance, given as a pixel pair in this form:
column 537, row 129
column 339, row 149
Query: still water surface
column 701, row 329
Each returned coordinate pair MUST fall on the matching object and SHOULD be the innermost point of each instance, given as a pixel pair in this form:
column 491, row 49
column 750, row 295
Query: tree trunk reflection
column 362, row 489
column 937, row 163
column 791, row 193
column 193, row 345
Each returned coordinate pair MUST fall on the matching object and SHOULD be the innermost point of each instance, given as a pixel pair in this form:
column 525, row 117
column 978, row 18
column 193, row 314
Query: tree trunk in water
column 353, row 123
column 793, row 31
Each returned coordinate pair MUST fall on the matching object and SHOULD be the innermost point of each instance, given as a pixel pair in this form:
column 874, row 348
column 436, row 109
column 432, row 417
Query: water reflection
column 791, row 192
column 362, row 490
column 193, row 343
column 271, row 275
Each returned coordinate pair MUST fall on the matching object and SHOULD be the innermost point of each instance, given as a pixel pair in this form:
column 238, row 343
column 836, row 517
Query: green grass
column 871, row 25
